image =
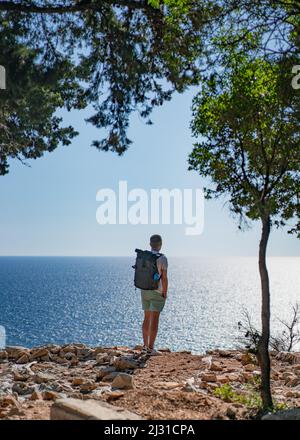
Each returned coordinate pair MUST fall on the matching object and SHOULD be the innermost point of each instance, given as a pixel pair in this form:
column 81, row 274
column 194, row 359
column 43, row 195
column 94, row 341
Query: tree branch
column 83, row 5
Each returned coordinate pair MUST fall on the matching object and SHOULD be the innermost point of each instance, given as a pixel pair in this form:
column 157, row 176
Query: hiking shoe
column 144, row 350
column 152, row 352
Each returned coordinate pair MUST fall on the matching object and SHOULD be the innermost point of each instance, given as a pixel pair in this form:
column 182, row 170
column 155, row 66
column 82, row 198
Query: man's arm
column 164, row 282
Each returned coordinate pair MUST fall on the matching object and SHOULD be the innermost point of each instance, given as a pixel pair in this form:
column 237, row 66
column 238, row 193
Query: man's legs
column 146, row 328
column 154, row 319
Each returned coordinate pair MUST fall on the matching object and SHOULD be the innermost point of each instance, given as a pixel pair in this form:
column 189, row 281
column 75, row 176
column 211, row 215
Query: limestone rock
column 20, row 377
column 104, row 372
column 124, row 363
column 3, row 355
column 250, row 367
column 22, row 388
column 36, row 395
column 114, row 395
column 88, row 386
column 24, row 359
column 49, row 395
column 73, row 409
column 77, row 381
column 39, row 353
column 85, row 353
column 168, row 385
column 42, row 378
column 209, row 377
column 123, row 381
column 102, row 358
column 289, row 414
column 15, row 352
column 214, row 366
column 291, row 358
column 8, row 400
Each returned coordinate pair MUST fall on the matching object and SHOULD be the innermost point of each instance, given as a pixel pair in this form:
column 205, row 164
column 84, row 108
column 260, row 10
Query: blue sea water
column 92, row 300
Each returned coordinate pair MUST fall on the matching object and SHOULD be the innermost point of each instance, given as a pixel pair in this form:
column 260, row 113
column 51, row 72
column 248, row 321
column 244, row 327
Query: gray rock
column 102, row 358
column 42, row 378
column 124, row 363
column 75, row 409
column 22, row 389
column 105, row 371
column 291, row 358
column 123, row 381
column 288, row 414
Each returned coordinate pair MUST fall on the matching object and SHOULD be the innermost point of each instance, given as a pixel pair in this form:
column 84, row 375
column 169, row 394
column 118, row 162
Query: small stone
column 112, row 353
column 36, row 395
column 104, row 372
column 42, row 378
column 19, row 377
column 77, row 381
column 83, row 353
column 189, row 387
column 24, row 359
column 8, row 400
column 216, row 367
column 39, row 353
column 293, row 382
column 209, row 377
column 49, row 395
column 68, row 349
column 168, row 385
column 225, row 353
column 250, row 367
column 102, row 358
column 15, row 352
column 109, row 377
column 167, row 350
column 291, row 358
column 246, row 359
column 87, row 387
column 123, row 381
column 3, row 355
column 70, row 356
column 22, row 389
column 114, row 395
column 138, row 348
column 124, row 363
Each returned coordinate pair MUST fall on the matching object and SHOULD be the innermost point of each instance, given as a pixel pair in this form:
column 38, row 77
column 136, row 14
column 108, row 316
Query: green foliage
column 126, row 57
column 251, row 400
column 247, row 119
column 250, row 396
column 29, row 125
column 131, row 56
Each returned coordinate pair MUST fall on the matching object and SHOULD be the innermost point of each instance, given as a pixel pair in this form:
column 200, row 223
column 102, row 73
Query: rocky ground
column 175, row 385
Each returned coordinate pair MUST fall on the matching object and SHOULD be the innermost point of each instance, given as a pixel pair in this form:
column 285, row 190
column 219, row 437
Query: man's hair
column 155, row 240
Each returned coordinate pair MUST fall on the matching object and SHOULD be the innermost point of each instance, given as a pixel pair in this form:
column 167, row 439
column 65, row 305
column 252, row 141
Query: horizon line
column 126, row 256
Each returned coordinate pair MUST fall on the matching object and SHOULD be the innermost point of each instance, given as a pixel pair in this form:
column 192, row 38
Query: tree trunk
column 263, row 345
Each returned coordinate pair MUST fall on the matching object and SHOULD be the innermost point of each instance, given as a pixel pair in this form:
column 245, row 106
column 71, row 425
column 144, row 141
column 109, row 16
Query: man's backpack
column 146, row 274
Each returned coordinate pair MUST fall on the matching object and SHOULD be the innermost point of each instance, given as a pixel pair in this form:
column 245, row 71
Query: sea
column 92, row 300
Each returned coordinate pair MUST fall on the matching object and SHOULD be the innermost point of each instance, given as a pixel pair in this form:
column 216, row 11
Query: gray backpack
column 146, row 274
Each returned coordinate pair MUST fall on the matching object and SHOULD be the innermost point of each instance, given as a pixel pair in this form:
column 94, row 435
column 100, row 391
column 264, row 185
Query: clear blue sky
column 50, row 207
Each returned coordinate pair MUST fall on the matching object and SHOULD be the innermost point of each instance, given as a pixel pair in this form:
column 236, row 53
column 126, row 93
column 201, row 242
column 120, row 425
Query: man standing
column 153, row 301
